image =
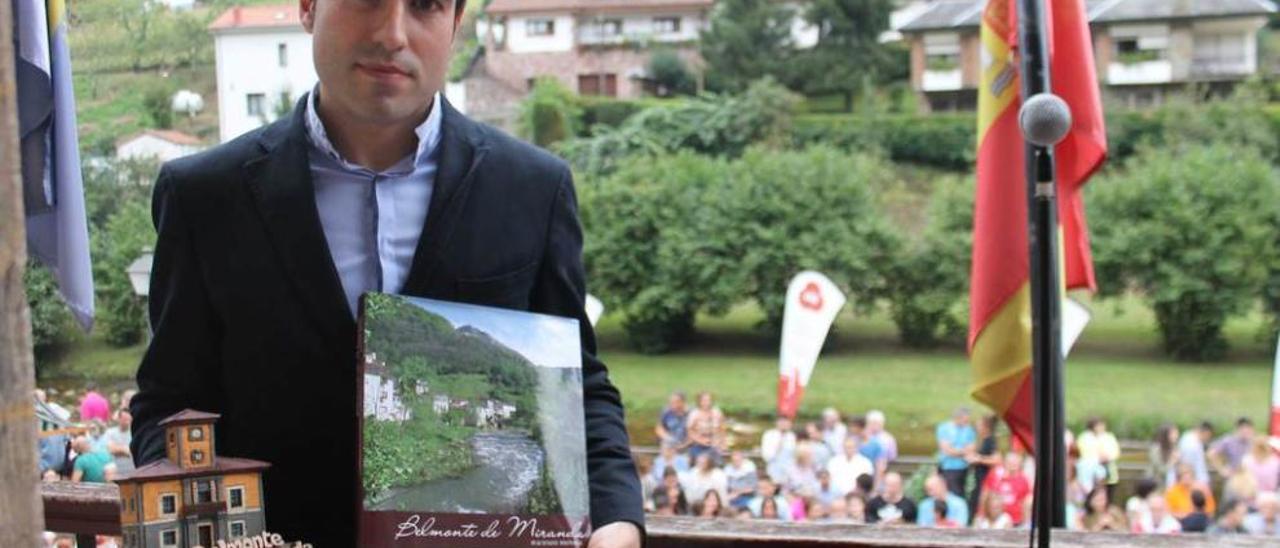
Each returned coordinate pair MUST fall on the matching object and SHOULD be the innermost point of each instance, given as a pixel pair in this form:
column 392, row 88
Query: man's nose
column 390, row 29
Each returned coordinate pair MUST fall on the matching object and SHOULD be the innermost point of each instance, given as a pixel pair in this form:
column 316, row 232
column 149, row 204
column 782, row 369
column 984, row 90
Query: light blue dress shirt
column 372, row 220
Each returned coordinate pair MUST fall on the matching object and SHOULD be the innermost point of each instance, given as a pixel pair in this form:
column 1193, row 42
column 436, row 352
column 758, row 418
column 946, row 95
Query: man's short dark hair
column 940, row 507
column 865, row 483
column 1244, row 421
column 1197, row 500
column 1206, row 426
column 859, row 421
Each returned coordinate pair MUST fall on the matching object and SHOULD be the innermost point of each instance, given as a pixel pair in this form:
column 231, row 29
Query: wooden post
column 21, row 518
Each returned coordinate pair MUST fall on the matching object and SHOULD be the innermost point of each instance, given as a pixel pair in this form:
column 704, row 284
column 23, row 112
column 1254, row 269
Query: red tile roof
column 250, row 17
column 175, row 137
column 503, row 7
column 163, row 469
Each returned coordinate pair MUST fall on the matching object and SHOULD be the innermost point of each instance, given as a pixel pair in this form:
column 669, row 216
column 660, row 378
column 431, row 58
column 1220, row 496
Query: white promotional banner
column 1275, row 402
column 1074, row 319
column 595, row 309
column 813, row 301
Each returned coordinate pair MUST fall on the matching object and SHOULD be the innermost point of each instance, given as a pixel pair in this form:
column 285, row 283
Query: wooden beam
column 21, row 521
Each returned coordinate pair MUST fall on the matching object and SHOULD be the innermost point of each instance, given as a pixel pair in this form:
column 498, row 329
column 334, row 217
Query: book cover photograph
column 472, row 427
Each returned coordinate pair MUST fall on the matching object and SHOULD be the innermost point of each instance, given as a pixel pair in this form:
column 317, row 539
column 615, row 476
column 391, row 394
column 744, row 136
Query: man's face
column 677, row 404
column 892, row 485
column 1245, row 431
column 380, row 61
column 936, row 488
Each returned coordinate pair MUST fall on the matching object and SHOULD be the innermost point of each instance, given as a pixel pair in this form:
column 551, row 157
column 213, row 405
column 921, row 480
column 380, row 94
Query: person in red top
column 1011, row 485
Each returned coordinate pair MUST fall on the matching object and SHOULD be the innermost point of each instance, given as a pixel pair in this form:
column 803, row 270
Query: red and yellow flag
column 1000, row 292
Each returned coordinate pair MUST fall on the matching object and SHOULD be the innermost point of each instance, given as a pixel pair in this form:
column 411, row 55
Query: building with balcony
column 1144, row 49
column 593, row 47
column 192, row 497
column 263, row 58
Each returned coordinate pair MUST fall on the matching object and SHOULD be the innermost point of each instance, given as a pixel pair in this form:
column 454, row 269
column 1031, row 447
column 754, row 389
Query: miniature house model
column 192, row 497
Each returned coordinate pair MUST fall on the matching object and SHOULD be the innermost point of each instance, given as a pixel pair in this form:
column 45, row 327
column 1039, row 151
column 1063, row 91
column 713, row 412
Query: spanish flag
column 1000, row 293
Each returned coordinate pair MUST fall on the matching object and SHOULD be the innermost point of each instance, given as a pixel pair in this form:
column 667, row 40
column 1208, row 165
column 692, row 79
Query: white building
column 264, row 65
column 158, row 144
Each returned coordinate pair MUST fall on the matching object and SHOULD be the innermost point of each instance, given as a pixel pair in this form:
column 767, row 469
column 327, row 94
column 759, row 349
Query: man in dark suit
column 373, row 183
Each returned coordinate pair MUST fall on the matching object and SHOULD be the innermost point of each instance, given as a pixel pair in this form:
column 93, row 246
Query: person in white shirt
column 741, row 476
column 833, row 429
column 1191, row 451
column 778, row 447
column 1157, row 519
column 848, row 465
column 702, row 478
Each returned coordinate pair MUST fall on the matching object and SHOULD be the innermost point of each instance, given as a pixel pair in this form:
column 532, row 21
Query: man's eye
column 426, row 5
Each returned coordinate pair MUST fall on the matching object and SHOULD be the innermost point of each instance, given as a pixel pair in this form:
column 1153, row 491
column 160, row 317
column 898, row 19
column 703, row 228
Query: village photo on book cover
column 470, row 410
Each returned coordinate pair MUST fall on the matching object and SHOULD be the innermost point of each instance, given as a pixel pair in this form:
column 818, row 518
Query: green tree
column 121, row 313
column 1191, row 229
column 549, row 114
column 745, row 41
column 928, row 283
column 671, row 73
column 51, row 321
column 848, row 56
column 157, row 100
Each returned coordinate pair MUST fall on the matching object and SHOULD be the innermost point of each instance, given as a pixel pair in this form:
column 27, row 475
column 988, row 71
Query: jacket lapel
column 462, row 148
column 280, row 180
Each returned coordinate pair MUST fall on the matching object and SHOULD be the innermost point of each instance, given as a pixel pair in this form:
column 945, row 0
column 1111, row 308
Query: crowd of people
column 836, row 469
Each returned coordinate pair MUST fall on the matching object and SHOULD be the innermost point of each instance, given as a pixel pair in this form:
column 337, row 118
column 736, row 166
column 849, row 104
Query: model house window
column 197, row 456
column 169, row 537
column 540, row 27
column 282, row 54
column 168, row 504
column 236, row 529
column 172, row 438
column 195, row 434
column 254, row 103
column 666, row 25
column 235, row 497
column 204, row 491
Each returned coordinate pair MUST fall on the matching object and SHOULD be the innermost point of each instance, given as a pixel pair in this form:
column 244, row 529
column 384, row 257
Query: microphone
column 1045, row 119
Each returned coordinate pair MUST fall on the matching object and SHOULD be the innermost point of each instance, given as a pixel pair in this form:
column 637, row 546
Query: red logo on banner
column 811, row 297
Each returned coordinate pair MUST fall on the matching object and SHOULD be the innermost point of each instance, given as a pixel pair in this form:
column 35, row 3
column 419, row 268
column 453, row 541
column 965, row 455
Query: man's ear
column 307, row 9
column 459, row 10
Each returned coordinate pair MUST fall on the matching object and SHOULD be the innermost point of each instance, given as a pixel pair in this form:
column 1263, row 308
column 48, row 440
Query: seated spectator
column 1010, row 485
column 1179, row 495
column 1232, row 520
column 1197, row 521
column 778, row 448
column 672, row 427
column 740, row 475
column 802, row 477
column 810, row 440
column 876, row 431
column 855, row 508
column 827, row 491
column 647, row 483
column 1136, row 508
column 115, row 440
column 940, row 515
column 91, row 466
column 833, row 430
column 936, row 492
column 1239, row 486
column 706, row 429
column 1266, row 519
column 710, row 506
column 1263, row 464
column 991, row 514
column 704, row 477
column 53, row 453
column 668, row 498
column 669, row 458
column 1100, row 514
column 838, row 511
column 892, row 506
column 1156, row 519
column 767, row 496
column 846, row 467
column 864, row 487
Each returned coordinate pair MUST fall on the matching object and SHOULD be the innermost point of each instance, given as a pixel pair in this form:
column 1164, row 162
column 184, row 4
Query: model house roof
column 163, row 469
column 258, row 17
column 188, row 416
column 509, row 7
column 957, row 14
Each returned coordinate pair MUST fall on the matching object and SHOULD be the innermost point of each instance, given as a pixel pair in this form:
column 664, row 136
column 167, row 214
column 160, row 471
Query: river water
column 507, row 466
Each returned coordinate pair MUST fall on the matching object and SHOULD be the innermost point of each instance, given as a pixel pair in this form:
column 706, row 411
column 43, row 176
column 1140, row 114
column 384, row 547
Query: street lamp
column 140, row 273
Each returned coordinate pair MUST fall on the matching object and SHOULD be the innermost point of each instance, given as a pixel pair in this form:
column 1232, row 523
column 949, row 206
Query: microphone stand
column 1042, row 208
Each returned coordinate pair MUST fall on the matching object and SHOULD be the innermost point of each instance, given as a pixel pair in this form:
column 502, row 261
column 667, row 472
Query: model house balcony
column 204, row 508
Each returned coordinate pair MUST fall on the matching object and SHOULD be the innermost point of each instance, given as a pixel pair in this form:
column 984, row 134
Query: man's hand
column 619, row 534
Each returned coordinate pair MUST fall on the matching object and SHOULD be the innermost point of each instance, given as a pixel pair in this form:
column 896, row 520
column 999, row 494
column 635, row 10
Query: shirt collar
column 428, row 133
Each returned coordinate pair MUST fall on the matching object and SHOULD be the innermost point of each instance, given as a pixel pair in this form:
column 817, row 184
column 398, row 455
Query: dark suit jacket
column 250, row 319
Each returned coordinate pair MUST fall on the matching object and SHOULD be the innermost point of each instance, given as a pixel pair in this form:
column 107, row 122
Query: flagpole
column 1050, row 485
column 21, row 515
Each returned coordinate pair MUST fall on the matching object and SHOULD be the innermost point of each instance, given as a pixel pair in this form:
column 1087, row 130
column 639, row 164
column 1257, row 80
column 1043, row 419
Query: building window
column 235, row 529
column 598, row 84
column 197, row 456
column 282, row 54
column 942, row 52
column 195, row 434
column 610, row 27
column 204, row 491
column 540, row 27
column 169, row 537
column 235, row 497
column 255, row 104
column 1140, row 43
column 168, row 504
column 666, row 25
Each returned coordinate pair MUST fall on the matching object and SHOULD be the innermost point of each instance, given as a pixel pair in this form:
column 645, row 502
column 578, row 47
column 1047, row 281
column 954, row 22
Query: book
column 472, row 430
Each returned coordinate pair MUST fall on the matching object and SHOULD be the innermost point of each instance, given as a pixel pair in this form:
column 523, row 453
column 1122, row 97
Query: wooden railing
column 94, row 509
